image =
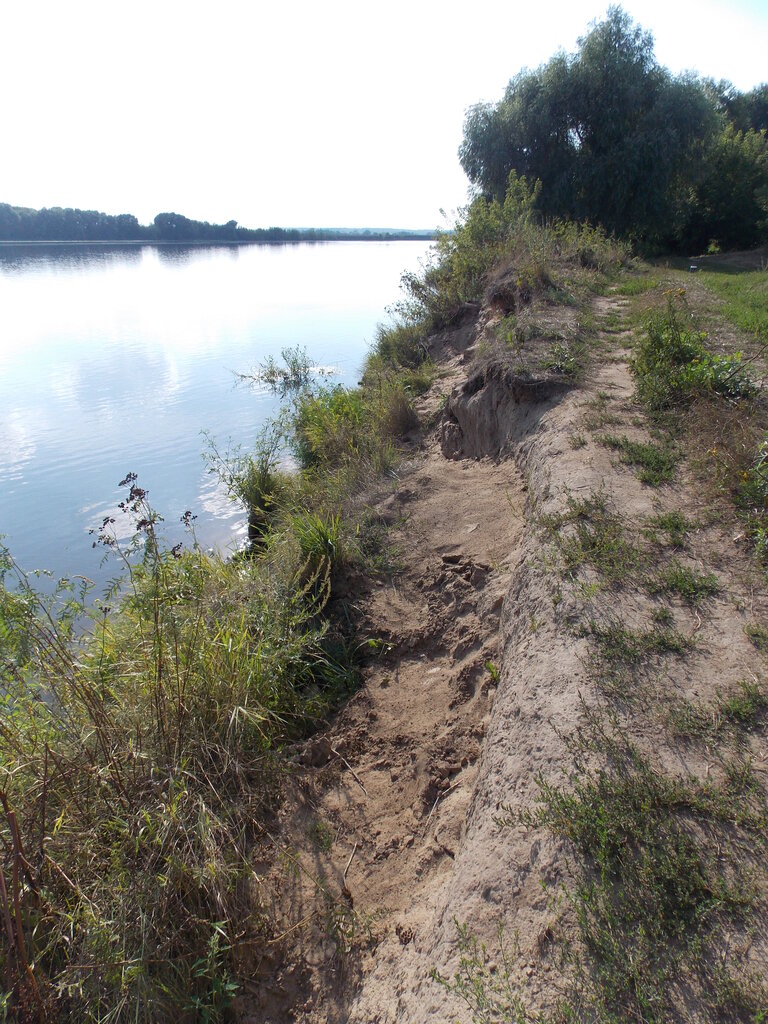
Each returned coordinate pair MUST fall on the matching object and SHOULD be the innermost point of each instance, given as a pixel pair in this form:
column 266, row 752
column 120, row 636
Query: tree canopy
column 617, row 140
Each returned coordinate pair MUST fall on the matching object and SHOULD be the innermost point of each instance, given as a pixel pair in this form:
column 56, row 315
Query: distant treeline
column 20, row 224
column 670, row 162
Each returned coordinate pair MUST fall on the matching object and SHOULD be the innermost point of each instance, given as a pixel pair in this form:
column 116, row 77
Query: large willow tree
column 611, row 134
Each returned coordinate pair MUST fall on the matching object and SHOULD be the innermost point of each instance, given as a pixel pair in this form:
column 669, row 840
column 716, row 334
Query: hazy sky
column 294, row 112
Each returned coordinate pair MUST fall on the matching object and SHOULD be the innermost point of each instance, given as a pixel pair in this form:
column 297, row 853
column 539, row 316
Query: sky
column 291, row 112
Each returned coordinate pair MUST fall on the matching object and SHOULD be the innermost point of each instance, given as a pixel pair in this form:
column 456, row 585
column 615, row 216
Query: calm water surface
column 115, row 359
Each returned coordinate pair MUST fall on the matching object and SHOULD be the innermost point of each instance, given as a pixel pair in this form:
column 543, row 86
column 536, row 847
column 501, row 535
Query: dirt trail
column 426, row 703
column 413, row 736
column 384, row 793
column 398, row 797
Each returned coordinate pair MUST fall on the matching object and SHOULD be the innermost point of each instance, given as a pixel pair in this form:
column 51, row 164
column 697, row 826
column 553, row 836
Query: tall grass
column 718, row 400
column 136, row 764
column 745, row 298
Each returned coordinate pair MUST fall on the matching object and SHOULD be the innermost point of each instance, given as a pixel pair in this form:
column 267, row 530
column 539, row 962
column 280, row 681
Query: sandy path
column 385, row 791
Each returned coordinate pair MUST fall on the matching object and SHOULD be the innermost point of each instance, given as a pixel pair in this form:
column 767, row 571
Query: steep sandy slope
column 384, row 794
column 497, row 873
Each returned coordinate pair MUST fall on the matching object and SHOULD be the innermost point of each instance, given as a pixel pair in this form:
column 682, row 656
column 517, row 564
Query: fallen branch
column 354, row 774
column 438, row 798
column 346, row 869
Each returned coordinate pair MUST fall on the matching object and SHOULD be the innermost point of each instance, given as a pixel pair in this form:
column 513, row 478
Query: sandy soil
column 388, row 787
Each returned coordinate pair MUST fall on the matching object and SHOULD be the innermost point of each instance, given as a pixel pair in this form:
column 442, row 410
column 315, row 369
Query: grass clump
column 321, row 835
column 561, row 359
column 758, row 635
column 656, row 464
column 617, row 642
column 588, row 533
column 692, row 586
column 486, row 985
column 745, row 705
column 689, row 719
column 674, row 524
column 328, row 424
column 401, row 344
column 321, row 540
column 597, row 414
column 255, row 479
column 740, row 709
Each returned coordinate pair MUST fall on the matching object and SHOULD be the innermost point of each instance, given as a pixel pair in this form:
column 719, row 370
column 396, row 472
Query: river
column 117, row 359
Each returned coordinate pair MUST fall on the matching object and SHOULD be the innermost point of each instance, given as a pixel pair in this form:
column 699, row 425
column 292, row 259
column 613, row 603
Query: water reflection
column 16, row 257
column 178, row 254
column 115, row 358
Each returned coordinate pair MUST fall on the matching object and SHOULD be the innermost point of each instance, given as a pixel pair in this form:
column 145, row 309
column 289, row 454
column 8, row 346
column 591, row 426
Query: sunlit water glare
column 115, row 359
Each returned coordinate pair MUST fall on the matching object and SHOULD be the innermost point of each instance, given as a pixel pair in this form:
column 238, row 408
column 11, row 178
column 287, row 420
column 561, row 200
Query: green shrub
column 400, row 344
column 672, row 365
column 255, row 479
column 326, row 425
column 591, row 534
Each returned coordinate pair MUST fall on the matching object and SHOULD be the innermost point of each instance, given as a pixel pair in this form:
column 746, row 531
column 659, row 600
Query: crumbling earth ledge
column 498, row 872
